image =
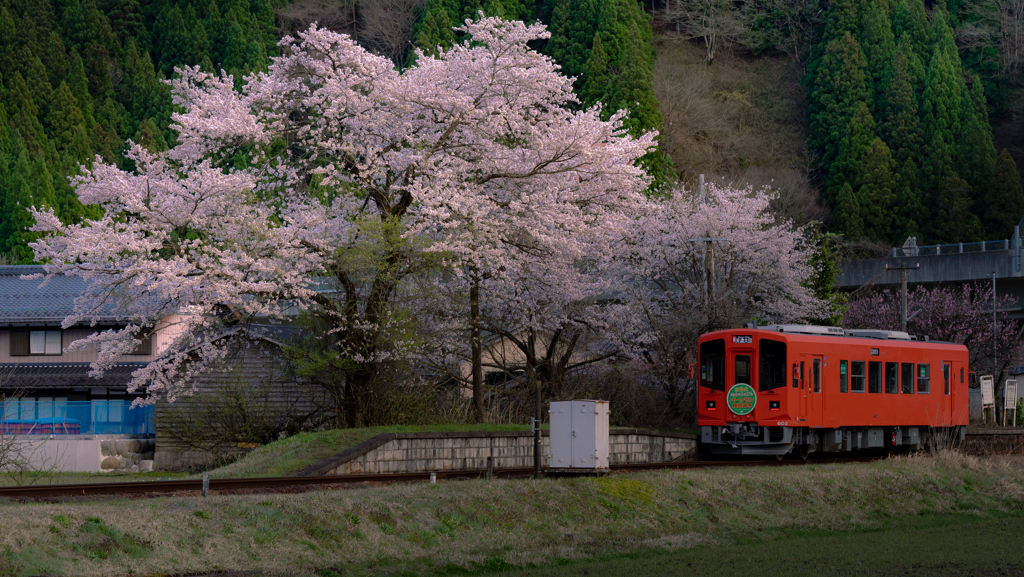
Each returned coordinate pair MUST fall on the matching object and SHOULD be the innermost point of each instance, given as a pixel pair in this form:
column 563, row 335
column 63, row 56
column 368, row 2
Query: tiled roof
column 25, row 302
column 63, row 375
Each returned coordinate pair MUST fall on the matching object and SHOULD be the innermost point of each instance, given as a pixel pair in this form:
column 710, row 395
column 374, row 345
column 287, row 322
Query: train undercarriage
column 752, row 439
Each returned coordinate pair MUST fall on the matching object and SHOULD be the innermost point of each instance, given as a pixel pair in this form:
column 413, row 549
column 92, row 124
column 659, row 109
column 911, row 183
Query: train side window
column 843, row 377
column 874, row 377
column 961, row 375
column 908, row 378
column 857, row 376
column 924, row 373
column 945, row 377
column 796, row 375
column 771, row 365
column 712, row 364
column 892, row 373
column 802, row 374
column 816, row 374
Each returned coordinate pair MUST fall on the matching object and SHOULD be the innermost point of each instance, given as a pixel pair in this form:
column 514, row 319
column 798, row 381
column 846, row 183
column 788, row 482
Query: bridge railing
column 956, row 248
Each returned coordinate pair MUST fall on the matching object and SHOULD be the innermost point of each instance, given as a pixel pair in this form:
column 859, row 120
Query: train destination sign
column 741, row 399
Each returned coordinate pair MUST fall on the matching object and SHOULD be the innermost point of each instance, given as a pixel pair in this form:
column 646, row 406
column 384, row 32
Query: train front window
column 857, row 376
column 908, row 378
column 712, row 364
column 874, row 377
column 924, row 373
column 771, row 363
column 892, row 385
column 741, row 374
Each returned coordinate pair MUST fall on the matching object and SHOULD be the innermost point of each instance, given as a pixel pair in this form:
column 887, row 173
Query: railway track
column 161, row 488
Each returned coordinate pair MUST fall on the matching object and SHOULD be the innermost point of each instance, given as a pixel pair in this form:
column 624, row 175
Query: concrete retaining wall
column 994, row 441
column 86, row 453
column 419, row 452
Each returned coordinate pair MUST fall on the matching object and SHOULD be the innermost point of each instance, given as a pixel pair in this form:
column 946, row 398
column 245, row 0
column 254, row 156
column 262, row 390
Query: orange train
column 777, row 389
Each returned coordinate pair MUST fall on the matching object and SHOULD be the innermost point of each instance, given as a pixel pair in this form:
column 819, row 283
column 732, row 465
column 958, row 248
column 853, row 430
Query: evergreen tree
column 913, row 21
column 838, row 89
column 976, row 153
column 150, row 137
column 66, row 125
column 597, row 81
column 955, row 219
column 847, row 220
column 849, row 165
column 38, row 85
column 901, row 124
column 127, row 22
column 941, row 116
column 1005, row 199
column 878, row 191
column 876, row 41
column 910, row 211
column 573, row 26
column 434, row 28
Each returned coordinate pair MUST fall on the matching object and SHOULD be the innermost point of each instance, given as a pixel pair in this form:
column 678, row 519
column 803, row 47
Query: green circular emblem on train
column 741, row 399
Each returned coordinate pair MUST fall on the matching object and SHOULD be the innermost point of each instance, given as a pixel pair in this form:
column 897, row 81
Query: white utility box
column 579, row 435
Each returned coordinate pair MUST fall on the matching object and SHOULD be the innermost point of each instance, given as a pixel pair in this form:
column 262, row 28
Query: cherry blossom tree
column 702, row 263
column 331, row 180
column 956, row 314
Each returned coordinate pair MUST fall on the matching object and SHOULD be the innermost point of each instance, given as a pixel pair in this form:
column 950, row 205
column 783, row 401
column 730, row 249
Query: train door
column 813, row 399
column 800, row 384
column 947, row 392
column 741, row 361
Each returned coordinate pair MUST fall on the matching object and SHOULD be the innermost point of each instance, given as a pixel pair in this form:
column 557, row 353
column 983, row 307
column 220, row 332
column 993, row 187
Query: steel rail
column 177, row 485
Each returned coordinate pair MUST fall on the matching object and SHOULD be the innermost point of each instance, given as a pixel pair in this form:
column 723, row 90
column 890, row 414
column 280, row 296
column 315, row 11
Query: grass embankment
column 476, row 525
column 278, row 459
column 54, row 478
column 293, row 454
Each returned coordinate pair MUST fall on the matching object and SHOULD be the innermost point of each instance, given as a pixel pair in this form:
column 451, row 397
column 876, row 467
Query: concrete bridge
column 945, row 264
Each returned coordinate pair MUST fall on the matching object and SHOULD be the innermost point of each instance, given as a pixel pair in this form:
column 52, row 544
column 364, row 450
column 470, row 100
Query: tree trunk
column 477, row 353
column 357, row 388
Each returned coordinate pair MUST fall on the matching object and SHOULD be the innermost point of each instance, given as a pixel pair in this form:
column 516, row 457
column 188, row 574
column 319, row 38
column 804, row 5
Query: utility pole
column 538, row 419
column 994, row 324
column 903, row 268
column 707, row 287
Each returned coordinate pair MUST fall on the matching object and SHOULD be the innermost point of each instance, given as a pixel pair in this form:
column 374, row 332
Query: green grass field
column 796, row 520
column 926, row 546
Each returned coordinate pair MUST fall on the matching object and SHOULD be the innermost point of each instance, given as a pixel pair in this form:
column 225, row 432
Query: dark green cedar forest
column 900, row 127
column 78, row 78
column 899, row 93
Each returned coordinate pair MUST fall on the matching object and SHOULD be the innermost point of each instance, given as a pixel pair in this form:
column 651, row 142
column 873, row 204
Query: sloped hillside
column 740, row 120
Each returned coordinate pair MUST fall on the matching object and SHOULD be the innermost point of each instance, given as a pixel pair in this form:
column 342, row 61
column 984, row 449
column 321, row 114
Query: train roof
column 837, row 332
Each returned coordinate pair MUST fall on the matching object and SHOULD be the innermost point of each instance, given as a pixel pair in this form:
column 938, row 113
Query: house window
column 145, row 347
column 24, row 343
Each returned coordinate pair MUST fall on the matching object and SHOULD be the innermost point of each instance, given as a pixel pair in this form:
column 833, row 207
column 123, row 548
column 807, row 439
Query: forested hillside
column 604, row 44
column 899, row 96
column 79, row 78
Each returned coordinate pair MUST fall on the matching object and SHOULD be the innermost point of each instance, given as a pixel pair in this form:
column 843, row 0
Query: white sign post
column 1010, row 402
column 988, row 399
